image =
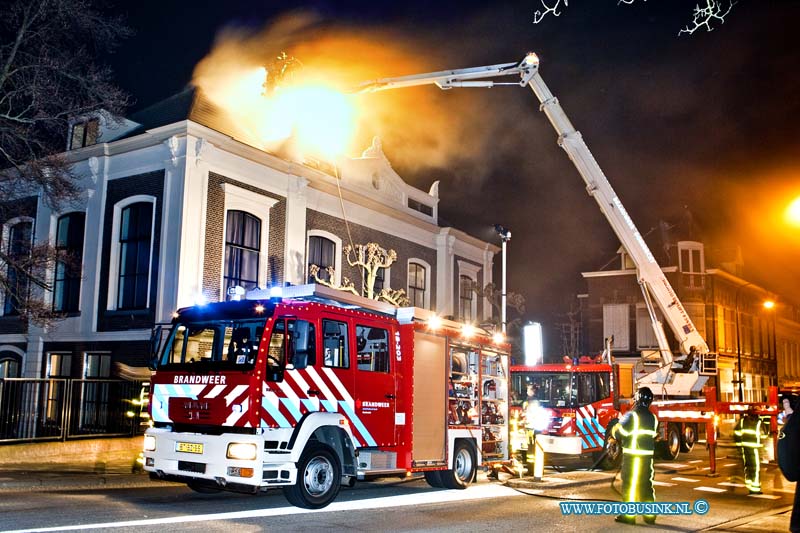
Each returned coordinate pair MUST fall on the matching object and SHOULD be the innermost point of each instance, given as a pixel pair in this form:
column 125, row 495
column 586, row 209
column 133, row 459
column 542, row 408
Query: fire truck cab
column 314, row 389
column 572, row 408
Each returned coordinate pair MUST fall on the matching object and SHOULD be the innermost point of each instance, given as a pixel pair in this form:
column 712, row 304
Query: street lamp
column 505, row 236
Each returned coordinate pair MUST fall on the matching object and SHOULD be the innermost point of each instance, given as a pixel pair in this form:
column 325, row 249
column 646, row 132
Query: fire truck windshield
column 551, row 389
column 213, row 345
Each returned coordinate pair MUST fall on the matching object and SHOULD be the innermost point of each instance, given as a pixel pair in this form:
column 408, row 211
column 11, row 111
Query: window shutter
column 615, row 322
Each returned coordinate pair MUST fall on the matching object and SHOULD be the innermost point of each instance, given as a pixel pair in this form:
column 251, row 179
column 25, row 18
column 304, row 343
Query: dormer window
column 691, row 264
column 84, row 133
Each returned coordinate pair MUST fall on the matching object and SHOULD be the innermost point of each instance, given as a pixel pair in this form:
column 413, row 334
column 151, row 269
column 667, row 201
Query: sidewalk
column 73, row 465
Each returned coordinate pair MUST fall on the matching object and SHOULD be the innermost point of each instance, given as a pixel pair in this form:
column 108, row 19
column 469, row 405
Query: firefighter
column 636, row 432
column 748, row 438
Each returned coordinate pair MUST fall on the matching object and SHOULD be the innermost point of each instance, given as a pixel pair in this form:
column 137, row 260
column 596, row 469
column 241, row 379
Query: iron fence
column 62, row 409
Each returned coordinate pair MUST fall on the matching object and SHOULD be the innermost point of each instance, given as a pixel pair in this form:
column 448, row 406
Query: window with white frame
column 69, row 252
column 418, row 283
column 96, row 365
column 10, row 364
column 135, row 245
column 324, row 250
column 131, row 254
column 17, row 241
column 242, row 250
column 84, row 133
column 467, row 297
column 645, row 336
column 616, row 323
column 691, row 264
column 59, row 365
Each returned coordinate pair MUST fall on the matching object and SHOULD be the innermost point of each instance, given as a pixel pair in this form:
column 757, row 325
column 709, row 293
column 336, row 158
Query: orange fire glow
column 310, row 113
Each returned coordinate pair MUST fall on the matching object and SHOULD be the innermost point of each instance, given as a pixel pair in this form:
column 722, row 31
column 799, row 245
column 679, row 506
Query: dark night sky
column 707, row 121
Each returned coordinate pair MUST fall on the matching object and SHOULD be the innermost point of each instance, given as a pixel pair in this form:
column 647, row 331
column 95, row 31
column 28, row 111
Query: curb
column 80, row 482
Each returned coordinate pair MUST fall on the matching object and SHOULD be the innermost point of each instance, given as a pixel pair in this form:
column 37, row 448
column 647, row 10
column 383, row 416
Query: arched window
column 10, row 364
column 417, row 284
column 69, row 251
column 135, row 237
column 321, row 252
column 18, row 248
column 242, row 250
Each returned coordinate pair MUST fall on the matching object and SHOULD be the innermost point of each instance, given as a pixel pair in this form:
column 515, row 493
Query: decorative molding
column 94, row 168
column 173, row 144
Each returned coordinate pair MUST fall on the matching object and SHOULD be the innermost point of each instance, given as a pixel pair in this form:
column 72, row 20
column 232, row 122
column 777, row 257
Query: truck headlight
column 243, row 451
column 538, row 418
column 149, row 443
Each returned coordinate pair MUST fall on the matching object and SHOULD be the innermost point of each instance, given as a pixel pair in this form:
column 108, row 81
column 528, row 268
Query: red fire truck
column 315, row 388
column 572, row 409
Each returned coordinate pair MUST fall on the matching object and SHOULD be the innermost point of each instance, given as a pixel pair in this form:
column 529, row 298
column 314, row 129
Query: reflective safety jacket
column 636, row 431
column 748, row 432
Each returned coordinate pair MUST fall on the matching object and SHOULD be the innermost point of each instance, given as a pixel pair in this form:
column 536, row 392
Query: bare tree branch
column 714, row 11
column 48, row 76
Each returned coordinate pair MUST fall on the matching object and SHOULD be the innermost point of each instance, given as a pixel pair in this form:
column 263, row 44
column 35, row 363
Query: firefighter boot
column 650, row 518
column 625, row 519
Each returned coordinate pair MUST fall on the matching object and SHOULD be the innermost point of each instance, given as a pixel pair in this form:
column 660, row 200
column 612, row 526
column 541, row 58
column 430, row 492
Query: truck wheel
column 689, row 438
column 434, row 479
column 612, row 451
column 671, row 448
column 464, row 468
column 319, row 476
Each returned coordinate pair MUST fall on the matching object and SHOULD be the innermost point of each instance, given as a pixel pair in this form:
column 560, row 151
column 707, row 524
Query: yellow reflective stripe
column 636, row 451
column 632, row 494
column 749, row 444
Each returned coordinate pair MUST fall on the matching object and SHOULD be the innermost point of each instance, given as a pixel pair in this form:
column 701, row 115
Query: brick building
column 728, row 311
column 176, row 208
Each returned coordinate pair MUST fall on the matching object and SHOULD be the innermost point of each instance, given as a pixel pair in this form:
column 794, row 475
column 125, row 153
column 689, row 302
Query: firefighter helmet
column 644, row 397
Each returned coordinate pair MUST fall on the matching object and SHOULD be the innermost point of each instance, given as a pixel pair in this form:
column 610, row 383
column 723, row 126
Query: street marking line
column 663, row 484
column 729, row 464
column 478, row 492
column 696, row 461
column 686, row 479
column 707, row 468
column 765, row 496
column 729, row 484
column 673, row 465
column 710, row 489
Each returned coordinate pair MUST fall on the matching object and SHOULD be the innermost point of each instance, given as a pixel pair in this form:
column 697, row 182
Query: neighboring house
column 176, row 210
column 766, row 340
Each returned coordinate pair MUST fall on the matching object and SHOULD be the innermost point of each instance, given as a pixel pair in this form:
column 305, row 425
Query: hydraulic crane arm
column 651, row 277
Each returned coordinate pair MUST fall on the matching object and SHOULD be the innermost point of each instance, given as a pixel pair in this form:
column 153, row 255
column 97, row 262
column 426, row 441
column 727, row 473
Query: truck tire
column 688, row 438
column 434, row 479
column 464, row 467
column 319, row 477
column 611, row 452
column 670, row 449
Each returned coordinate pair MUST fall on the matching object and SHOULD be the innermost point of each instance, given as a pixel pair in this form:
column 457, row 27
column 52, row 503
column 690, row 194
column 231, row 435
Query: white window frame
column 337, row 254
column 51, row 273
column 644, row 328
column 471, row 271
column 49, row 369
column 101, row 353
column 254, row 204
column 426, row 300
column 7, row 225
column 612, row 314
column 113, row 263
column 691, row 269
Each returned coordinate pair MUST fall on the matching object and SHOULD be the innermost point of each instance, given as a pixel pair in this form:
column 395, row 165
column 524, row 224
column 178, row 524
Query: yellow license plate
column 188, row 447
